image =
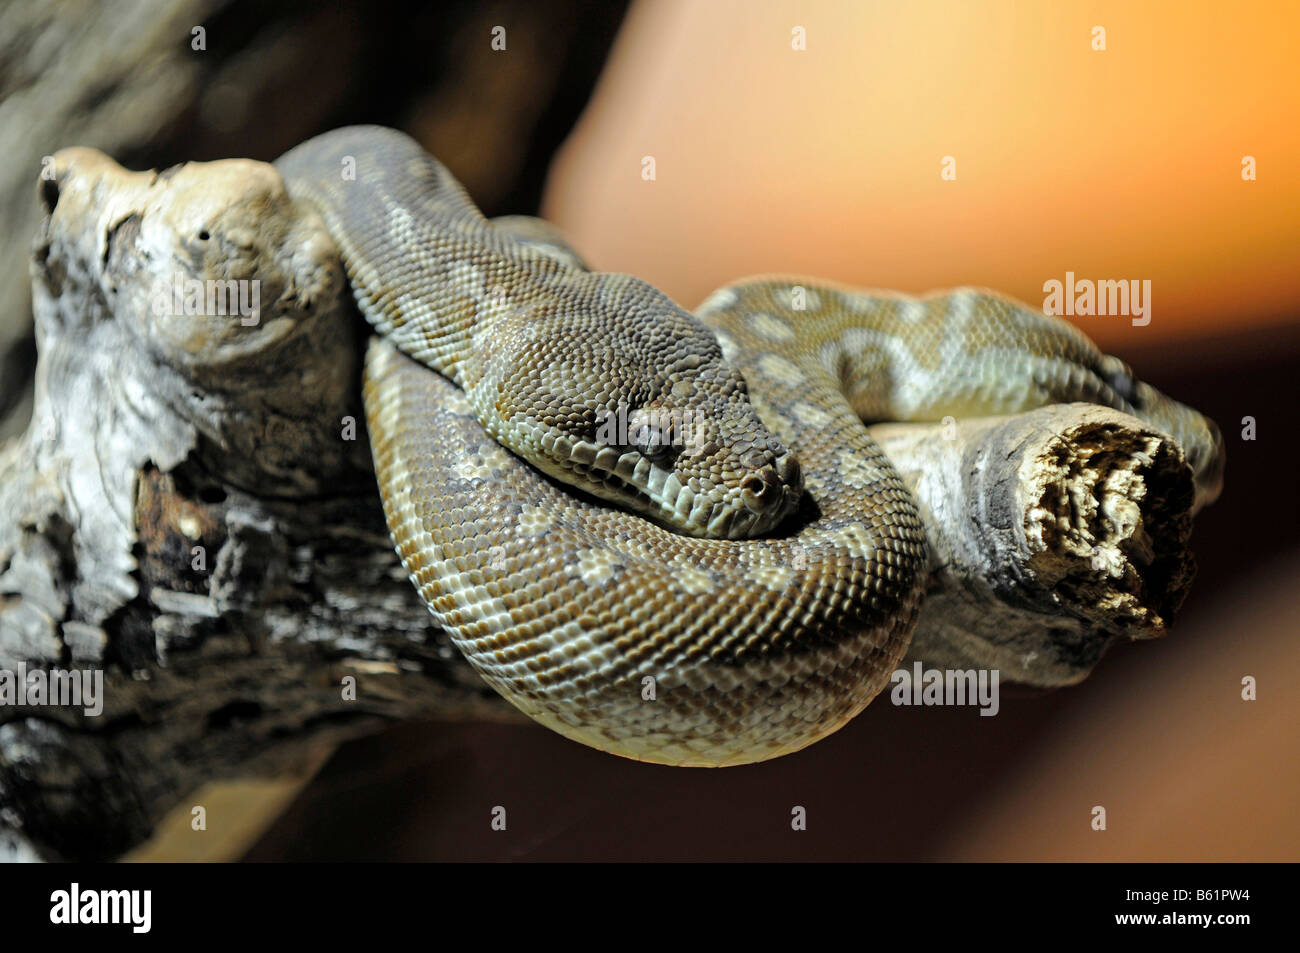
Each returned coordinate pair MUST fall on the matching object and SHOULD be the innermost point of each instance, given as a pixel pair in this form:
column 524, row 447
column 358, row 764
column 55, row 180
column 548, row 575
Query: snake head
column 627, row 396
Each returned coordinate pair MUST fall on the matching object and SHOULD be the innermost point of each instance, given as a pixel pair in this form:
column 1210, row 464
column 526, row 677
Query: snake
column 664, row 534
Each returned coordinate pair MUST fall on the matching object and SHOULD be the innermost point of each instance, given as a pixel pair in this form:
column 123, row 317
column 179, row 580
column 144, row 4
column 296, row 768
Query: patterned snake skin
column 660, row 628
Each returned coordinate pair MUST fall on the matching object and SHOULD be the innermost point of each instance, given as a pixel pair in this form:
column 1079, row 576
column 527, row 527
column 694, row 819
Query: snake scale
column 663, row 534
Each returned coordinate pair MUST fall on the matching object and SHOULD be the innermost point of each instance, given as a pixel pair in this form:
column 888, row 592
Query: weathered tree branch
column 1051, row 533
column 192, row 513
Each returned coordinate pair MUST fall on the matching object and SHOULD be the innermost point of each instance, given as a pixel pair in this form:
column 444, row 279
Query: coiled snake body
column 757, row 581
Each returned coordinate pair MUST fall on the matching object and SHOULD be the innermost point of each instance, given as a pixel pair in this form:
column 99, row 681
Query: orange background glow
column 1119, row 164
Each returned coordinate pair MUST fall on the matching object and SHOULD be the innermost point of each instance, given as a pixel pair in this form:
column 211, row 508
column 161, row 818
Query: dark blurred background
column 768, row 161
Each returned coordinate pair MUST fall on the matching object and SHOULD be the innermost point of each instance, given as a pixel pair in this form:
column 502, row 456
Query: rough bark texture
column 192, row 512
column 1051, row 534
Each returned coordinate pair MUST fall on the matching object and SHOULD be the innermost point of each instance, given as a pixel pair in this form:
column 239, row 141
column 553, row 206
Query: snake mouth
column 759, row 501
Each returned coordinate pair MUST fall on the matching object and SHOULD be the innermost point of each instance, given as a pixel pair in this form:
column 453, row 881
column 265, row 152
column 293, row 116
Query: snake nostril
column 754, row 485
column 764, row 489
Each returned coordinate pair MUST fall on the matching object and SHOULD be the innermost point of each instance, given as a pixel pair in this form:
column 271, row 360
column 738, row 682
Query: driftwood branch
column 192, row 514
column 1052, row 534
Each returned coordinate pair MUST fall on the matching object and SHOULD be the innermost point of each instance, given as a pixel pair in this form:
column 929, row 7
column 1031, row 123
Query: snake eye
column 653, row 432
column 652, row 442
